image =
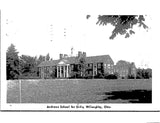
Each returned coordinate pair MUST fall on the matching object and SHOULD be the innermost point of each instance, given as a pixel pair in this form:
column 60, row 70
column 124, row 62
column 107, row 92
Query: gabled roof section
column 49, row 63
column 75, row 60
column 101, row 58
column 122, row 62
column 69, row 60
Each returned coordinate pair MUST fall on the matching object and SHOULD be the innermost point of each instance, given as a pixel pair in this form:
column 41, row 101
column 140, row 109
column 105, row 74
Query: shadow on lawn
column 133, row 96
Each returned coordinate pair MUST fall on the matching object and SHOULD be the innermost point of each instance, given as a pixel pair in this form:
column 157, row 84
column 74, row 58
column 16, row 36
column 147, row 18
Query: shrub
column 110, row 76
column 130, row 77
column 53, row 75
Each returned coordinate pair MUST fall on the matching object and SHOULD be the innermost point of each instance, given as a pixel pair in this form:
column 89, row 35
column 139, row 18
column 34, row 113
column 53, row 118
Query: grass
column 80, row 91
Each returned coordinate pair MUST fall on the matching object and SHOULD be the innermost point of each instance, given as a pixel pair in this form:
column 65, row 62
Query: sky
column 36, row 30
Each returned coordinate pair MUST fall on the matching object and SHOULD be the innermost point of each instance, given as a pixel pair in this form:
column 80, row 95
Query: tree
column 82, row 67
column 12, row 63
column 28, row 66
column 144, row 73
column 123, row 23
column 149, row 70
column 40, row 59
column 47, row 57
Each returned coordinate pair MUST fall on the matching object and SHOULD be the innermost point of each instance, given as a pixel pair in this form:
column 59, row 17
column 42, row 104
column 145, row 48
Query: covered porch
column 62, row 70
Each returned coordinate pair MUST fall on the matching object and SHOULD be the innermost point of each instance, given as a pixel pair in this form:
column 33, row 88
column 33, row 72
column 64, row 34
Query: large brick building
column 66, row 67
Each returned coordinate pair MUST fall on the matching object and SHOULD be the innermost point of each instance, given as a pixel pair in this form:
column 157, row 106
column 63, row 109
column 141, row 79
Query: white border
column 114, row 107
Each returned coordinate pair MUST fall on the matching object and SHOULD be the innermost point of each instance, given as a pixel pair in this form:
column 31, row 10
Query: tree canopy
column 24, row 66
column 12, row 63
column 123, row 23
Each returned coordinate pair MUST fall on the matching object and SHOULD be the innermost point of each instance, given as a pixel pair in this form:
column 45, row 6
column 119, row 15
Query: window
column 89, row 65
column 99, row 65
column 89, row 72
column 72, row 66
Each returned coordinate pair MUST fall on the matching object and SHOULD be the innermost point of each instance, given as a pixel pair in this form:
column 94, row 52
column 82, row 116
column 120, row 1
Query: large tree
column 40, row 59
column 12, row 63
column 28, row 65
column 123, row 23
column 82, row 66
column 48, row 57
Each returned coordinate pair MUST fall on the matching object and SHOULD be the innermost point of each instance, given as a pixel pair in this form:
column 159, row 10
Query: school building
column 66, row 67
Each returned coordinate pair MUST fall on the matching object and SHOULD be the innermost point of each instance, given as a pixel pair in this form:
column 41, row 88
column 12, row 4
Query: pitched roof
column 75, row 60
column 122, row 62
column 101, row 58
column 49, row 63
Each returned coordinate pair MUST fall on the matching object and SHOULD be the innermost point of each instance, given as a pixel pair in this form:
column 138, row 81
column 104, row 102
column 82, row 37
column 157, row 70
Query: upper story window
column 109, row 66
column 99, row 65
column 89, row 65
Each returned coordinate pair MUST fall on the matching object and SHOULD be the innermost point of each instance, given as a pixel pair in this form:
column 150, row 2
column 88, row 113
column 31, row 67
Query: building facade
column 66, row 67
column 83, row 66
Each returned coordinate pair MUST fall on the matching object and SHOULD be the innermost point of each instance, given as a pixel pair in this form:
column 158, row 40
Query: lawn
column 80, row 91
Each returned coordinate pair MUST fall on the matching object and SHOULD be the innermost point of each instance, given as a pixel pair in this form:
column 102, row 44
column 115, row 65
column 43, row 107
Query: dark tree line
column 144, row 73
column 23, row 66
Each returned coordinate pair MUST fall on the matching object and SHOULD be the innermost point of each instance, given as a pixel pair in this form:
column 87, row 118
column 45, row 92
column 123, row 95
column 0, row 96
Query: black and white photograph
column 73, row 59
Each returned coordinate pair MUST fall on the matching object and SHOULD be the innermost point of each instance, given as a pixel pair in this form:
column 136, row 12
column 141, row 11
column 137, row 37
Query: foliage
column 111, row 76
column 123, row 23
column 73, row 75
column 130, row 76
column 40, row 59
column 82, row 67
column 53, row 75
column 117, row 74
column 100, row 75
column 144, row 73
column 12, row 63
column 48, row 57
column 28, row 66
column 22, row 67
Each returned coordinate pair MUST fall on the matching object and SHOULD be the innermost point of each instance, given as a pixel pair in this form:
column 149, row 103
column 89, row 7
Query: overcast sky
column 31, row 27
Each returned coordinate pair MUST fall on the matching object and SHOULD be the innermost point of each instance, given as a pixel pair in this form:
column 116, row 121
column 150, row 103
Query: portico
column 62, row 70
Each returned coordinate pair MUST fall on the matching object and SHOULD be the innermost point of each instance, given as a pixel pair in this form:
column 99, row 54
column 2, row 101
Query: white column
column 43, row 73
column 64, row 71
column 67, row 70
column 57, row 71
column 60, row 71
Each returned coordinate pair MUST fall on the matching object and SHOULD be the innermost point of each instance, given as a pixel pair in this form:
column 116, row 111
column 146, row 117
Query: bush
column 53, row 75
column 131, row 77
column 110, row 76
column 88, row 77
column 98, row 76
column 144, row 73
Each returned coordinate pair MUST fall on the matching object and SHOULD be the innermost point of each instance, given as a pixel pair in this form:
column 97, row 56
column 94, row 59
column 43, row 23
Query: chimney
column 84, row 54
column 79, row 54
column 60, row 56
column 65, row 56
